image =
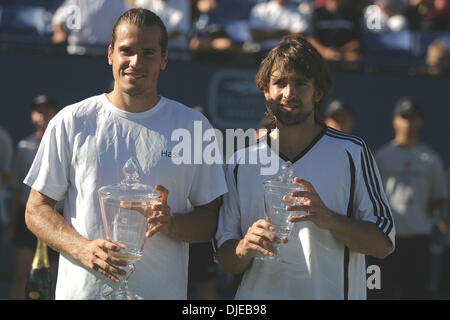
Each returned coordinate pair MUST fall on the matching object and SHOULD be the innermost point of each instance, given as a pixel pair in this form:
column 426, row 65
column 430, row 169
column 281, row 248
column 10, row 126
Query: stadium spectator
column 42, row 110
column 176, row 15
column 430, row 15
column 414, row 180
column 335, row 30
column 85, row 25
column 339, row 115
column 221, row 24
column 270, row 21
column 207, row 35
column 437, row 59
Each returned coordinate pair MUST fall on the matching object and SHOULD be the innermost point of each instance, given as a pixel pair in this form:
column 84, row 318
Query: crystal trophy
column 275, row 206
column 125, row 206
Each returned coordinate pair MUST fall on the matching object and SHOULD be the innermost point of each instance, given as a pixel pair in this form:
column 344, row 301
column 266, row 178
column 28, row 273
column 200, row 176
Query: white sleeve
column 229, row 226
column 49, row 173
column 370, row 202
column 209, row 179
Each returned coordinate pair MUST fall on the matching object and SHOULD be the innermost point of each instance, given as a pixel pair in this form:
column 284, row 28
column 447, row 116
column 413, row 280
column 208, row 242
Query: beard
column 288, row 118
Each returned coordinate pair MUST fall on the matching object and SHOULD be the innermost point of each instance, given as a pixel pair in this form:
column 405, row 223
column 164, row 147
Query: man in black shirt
column 335, row 30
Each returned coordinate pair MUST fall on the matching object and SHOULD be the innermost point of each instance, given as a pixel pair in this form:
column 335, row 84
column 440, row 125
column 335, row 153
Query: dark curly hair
column 294, row 54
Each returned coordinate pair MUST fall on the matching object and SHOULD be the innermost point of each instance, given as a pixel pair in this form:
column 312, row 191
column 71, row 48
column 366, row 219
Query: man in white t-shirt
column 270, row 21
column 415, row 182
column 85, row 147
column 345, row 211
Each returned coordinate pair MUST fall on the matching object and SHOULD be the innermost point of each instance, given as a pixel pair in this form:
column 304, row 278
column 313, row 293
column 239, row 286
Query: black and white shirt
column 343, row 171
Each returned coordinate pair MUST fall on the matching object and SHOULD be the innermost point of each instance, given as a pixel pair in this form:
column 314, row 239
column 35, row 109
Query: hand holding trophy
column 277, row 195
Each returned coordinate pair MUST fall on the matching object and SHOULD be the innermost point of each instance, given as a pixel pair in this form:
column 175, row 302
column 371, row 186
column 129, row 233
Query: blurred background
column 378, row 51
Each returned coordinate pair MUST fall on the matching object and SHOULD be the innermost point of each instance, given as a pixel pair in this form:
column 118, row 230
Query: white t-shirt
column 176, row 15
column 88, row 22
column 342, row 170
column 412, row 177
column 271, row 15
column 84, row 148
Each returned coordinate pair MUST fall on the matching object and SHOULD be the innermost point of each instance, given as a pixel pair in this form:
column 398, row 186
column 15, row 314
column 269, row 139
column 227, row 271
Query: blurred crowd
column 209, row 28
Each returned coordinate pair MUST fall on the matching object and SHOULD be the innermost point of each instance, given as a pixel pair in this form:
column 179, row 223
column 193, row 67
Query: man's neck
column 407, row 141
column 293, row 140
column 129, row 103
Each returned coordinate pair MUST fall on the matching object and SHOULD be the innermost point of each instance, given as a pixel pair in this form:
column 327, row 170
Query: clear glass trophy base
column 262, row 257
column 277, row 257
column 119, row 294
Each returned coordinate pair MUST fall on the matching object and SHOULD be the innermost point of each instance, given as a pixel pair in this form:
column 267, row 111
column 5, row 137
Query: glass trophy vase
column 125, row 207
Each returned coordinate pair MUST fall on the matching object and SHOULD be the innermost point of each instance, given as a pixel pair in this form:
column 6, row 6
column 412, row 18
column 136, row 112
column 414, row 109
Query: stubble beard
column 134, row 92
column 295, row 117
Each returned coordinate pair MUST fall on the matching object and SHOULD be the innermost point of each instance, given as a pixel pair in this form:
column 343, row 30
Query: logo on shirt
column 168, row 154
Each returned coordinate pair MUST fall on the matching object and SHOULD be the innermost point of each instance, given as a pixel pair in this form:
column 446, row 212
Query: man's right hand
column 259, row 238
column 95, row 256
column 53, row 229
column 236, row 255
